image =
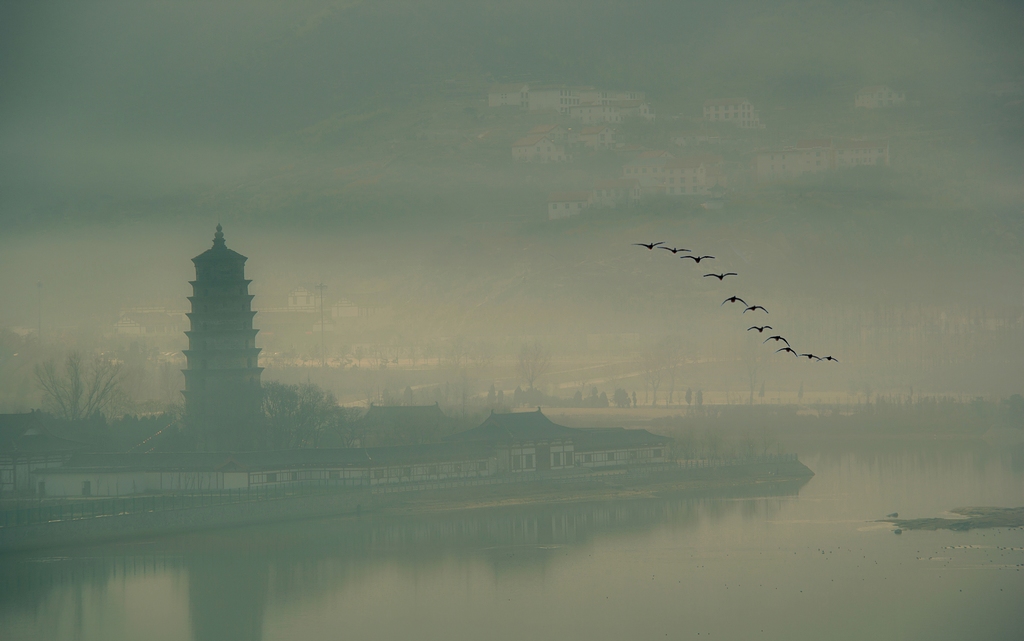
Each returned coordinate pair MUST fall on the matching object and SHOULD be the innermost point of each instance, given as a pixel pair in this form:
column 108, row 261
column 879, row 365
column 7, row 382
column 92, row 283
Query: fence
column 106, row 507
column 98, row 508
column 769, row 459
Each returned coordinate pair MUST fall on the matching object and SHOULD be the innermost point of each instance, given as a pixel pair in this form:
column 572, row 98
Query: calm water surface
column 803, row 562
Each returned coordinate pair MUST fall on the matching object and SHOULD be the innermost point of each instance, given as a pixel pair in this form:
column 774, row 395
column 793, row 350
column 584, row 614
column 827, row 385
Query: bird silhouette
column 754, row 308
column 776, row 339
column 649, row 245
column 787, row 349
column 697, row 259
column 733, row 299
column 829, row 358
column 809, row 356
column 721, row 277
column 760, row 328
column 675, row 250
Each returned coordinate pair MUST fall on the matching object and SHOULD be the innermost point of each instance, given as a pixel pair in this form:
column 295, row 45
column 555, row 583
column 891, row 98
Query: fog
column 403, row 250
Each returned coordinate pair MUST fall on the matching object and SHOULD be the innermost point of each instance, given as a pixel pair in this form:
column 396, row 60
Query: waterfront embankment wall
column 125, row 523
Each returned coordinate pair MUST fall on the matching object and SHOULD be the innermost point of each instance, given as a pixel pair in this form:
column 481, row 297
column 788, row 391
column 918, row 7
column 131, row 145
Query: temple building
column 222, row 378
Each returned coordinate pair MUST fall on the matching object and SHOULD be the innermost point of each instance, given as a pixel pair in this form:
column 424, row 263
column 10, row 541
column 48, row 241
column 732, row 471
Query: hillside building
column 509, row 95
column 615, row 192
column 563, row 204
column 878, row 97
column 538, row 148
column 737, row 111
column 819, row 156
column 599, row 137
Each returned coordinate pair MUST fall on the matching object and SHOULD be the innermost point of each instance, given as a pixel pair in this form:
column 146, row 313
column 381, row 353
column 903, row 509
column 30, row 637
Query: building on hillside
column 301, row 299
column 552, row 97
column 695, row 137
column 594, row 113
column 599, row 137
column 818, row 156
column 878, row 97
column 509, row 95
column 344, row 308
column 563, row 204
column 684, row 177
column 604, row 96
column 648, row 168
column 149, row 322
column 738, row 111
column 401, row 424
column 555, row 133
column 851, row 153
column 615, row 192
column 27, row 444
column 538, row 148
column 634, row 109
column 222, row 375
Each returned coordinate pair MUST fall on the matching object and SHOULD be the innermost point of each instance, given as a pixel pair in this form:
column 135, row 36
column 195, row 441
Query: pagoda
column 222, row 377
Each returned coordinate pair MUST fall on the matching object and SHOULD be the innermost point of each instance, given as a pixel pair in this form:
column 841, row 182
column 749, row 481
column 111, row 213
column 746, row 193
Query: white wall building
column 738, row 111
column 538, row 148
column 509, row 95
column 878, row 97
column 599, row 137
column 567, row 203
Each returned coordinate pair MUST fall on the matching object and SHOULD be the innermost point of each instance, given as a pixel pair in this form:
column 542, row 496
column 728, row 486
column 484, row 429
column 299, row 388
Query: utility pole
column 323, row 346
column 39, row 311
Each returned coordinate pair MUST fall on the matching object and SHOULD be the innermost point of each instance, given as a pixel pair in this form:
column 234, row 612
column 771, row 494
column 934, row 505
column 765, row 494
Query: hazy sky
column 129, row 129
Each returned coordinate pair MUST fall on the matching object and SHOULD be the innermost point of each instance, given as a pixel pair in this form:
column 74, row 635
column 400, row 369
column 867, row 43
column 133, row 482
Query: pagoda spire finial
column 218, row 238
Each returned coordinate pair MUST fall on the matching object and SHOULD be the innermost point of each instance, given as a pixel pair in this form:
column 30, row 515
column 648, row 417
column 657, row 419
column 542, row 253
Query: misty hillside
column 123, row 112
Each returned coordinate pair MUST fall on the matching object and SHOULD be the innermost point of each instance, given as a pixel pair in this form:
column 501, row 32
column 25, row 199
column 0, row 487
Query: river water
column 798, row 561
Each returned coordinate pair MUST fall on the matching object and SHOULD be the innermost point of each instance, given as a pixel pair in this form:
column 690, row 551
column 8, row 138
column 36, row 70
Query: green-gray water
column 804, row 562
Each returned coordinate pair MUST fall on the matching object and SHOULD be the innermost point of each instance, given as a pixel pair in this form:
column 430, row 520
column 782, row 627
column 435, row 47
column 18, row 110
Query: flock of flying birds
column 788, row 349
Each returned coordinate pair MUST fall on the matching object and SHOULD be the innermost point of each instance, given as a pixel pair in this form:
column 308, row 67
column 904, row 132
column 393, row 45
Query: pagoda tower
column 222, row 377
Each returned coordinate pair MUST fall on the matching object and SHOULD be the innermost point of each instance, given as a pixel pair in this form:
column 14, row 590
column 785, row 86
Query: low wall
column 162, row 522
column 350, row 501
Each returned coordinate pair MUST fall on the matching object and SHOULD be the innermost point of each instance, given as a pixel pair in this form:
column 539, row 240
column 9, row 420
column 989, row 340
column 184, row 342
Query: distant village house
column 538, row 148
column 738, row 111
column 878, row 97
column 567, row 203
column 509, row 95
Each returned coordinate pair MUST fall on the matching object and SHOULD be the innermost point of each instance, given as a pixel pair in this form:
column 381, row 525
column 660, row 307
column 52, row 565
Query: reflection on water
column 731, row 564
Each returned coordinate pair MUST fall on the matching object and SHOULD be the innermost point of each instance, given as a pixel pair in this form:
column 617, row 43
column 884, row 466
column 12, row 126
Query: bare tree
column 81, row 389
column 652, row 368
column 534, row 362
column 754, row 361
column 672, row 354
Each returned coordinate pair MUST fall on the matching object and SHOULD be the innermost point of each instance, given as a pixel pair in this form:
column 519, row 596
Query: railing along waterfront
column 47, row 512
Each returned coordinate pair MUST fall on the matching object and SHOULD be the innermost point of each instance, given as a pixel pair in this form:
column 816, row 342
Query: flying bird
column 721, row 276
column 787, row 349
column 829, row 358
column 761, row 328
column 649, row 245
column 776, row 339
column 754, row 308
column 733, row 299
column 675, row 250
column 810, row 356
column 697, row 259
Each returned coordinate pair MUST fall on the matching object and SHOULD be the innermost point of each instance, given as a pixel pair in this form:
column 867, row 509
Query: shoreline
column 974, row 518
column 750, row 479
